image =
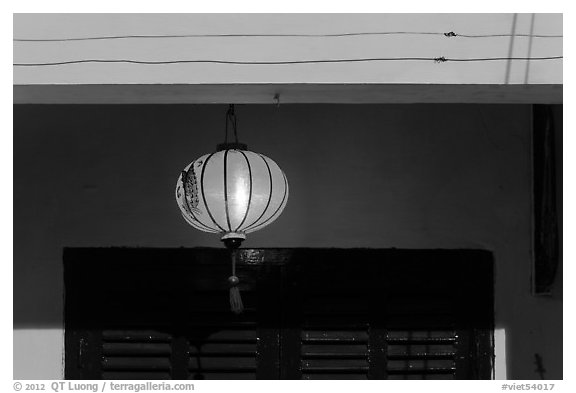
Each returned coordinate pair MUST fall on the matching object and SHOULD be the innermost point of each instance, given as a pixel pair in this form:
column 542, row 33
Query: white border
column 293, row 6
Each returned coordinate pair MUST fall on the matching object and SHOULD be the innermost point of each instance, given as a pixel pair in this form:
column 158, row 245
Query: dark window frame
column 278, row 277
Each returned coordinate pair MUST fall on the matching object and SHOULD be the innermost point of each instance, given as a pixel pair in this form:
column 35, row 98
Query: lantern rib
column 226, row 190
column 195, row 225
column 203, row 194
column 250, row 192
column 189, row 209
column 269, row 195
column 279, row 206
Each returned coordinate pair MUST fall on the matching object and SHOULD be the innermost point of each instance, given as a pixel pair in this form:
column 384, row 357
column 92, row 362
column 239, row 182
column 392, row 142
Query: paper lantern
column 232, row 192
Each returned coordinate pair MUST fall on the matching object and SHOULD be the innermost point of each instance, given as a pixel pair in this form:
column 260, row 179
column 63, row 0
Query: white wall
column 405, row 176
column 284, row 48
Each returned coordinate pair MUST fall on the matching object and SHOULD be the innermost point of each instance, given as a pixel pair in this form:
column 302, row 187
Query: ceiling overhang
column 288, row 94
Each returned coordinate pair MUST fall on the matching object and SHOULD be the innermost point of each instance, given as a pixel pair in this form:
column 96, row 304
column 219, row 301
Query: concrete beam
column 288, row 93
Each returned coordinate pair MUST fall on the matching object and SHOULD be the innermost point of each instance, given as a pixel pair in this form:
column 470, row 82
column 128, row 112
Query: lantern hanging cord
column 231, row 119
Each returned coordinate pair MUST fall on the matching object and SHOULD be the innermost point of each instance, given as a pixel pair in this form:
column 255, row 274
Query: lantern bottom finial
column 233, row 240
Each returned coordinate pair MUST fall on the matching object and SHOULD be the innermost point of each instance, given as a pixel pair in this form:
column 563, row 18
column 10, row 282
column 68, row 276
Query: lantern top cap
column 230, row 146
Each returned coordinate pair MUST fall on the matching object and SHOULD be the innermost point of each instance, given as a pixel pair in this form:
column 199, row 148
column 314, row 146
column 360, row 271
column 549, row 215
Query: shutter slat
column 115, row 375
column 335, row 364
column 449, row 370
column 219, row 349
column 422, row 355
column 423, row 340
column 419, row 364
column 412, row 333
column 135, row 335
column 233, row 375
column 421, row 376
column 134, row 348
column 336, row 376
column 311, row 336
column 334, row 351
column 394, row 350
column 335, row 369
column 136, row 363
column 223, row 363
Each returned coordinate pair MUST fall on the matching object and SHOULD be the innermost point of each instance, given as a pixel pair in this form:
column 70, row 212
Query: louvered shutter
column 311, row 314
column 334, row 354
column 164, row 314
column 137, row 354
column 390, row 315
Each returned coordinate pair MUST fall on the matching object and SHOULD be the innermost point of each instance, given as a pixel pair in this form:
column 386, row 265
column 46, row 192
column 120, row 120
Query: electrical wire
column 294, row 35
column 441, row 59
column 509, row 35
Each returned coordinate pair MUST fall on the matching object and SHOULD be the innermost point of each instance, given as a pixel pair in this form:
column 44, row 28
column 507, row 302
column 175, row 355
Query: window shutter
column 390, row 315
column 310, row 314
column 334, row 354
column 136, row 354
column 225, row 354
column 414, row 354
column 165, row 314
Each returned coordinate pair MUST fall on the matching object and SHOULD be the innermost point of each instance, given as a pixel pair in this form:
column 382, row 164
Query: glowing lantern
column 232, row 192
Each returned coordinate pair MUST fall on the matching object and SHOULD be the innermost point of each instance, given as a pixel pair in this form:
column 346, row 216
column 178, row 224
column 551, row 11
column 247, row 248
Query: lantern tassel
column 235, row 298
